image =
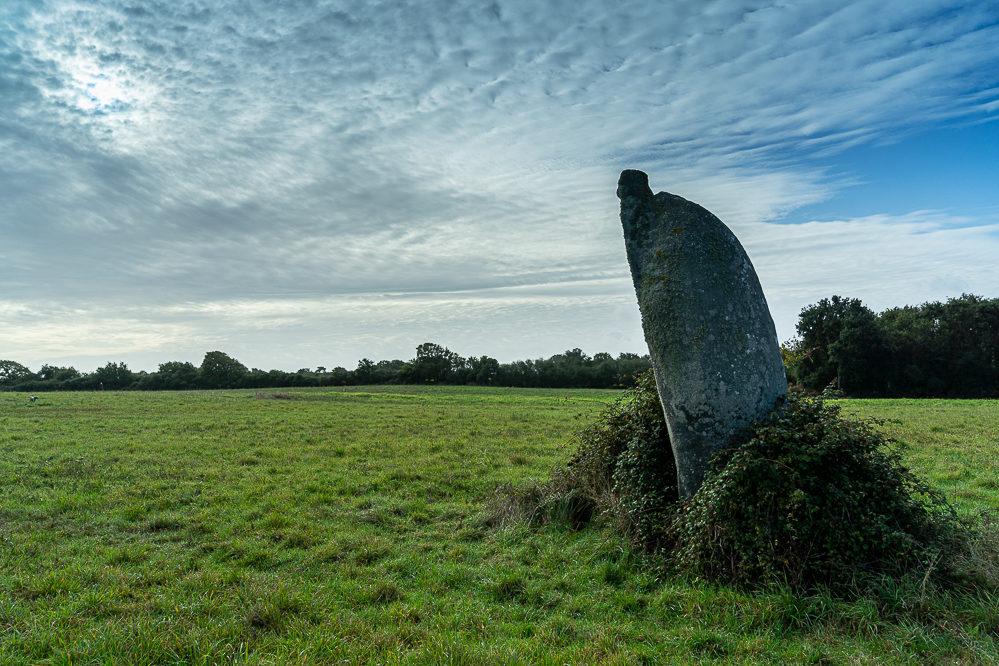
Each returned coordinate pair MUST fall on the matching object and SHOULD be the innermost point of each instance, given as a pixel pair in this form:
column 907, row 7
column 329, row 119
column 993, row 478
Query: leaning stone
column 711, row 338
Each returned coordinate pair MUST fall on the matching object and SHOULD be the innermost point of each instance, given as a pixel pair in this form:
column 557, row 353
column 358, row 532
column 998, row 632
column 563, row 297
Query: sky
column 304, row 183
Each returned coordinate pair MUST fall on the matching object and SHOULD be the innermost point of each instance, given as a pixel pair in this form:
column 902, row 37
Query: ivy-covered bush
column 812, row 498
column 625, row 463
column 623, row 470
column 808, row 498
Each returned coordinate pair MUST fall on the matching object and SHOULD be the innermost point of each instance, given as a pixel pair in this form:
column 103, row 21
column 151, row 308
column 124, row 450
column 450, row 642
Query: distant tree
column 969, row 333
column 565, row 369
column 12, row 372
column 433, row 363
column 944, row 349
column 55, row 373
column 935, row 349
column 483, row 370
column 821, row 355
column 338, row 376
column 365, row 372
column 113, row 376
column 177, row 375
column 630, row 366
column 257, row 378
column 860, row 355
column 519, row 373
column 388, row 372
column 219, row 370
column 915, row 352
column 603, row 371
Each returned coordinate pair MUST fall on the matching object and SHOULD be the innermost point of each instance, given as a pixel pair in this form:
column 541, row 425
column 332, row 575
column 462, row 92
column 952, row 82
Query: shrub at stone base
column 625, row 466
column 623, row 470
column 812, row 498
column 807, row 498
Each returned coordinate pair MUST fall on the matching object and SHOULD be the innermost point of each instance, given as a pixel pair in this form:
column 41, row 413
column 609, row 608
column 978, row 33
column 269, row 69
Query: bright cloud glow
column 99, row 92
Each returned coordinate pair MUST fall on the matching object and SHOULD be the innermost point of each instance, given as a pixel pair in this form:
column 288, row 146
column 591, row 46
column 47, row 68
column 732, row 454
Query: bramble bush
column 625, row 464
column 807, row 498
column 623, row 470
column 812, row 498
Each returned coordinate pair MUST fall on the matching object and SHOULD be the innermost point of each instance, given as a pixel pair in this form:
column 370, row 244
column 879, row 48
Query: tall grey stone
column 711, row 338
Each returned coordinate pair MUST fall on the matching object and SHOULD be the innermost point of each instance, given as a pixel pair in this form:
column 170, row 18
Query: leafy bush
column 812, row 498
column 809, row 498
column 622, row 470
column 625, row 463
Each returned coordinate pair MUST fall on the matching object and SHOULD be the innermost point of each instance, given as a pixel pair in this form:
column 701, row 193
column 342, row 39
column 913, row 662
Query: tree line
column 936, row 349
column 948, row 350
column 433, row 364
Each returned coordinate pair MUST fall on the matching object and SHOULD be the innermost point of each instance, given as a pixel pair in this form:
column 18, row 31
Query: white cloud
column 509, row 323
column 300, row 152
column 886, row 261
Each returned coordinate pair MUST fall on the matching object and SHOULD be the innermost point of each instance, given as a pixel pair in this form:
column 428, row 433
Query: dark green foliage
column 573, row 369
column 482, row 370
column 809, row 498
column 172, row 375
column 945, row 349
column 433, row 364
column 12, row 372
column 365, row 371
column 812, row 498
column 839, row 341
column 625, row 463
column 932, row 350
column 114, row 376
column 56, row 373
column 219, row 370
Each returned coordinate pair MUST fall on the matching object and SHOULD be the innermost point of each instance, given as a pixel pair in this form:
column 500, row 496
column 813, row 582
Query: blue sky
column 307, row 183
column 951, row 167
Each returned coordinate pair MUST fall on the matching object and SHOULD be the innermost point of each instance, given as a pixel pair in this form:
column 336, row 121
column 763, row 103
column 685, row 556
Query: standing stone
column 711, row 338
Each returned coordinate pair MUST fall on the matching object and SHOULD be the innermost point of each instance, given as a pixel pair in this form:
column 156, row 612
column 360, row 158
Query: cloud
column 336, row 330
column 886, row 261
column 196, row 153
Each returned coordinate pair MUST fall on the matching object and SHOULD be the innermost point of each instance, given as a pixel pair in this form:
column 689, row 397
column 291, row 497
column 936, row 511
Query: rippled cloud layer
column 306, row 183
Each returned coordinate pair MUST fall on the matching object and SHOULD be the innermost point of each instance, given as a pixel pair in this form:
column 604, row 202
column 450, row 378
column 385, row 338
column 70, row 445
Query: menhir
column 710, row 334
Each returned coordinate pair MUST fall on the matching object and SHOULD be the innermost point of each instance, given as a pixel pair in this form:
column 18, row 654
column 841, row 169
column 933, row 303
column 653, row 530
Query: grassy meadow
column 348, row 526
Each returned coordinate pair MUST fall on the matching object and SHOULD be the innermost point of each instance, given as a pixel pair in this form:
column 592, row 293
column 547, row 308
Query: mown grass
column 332, row 526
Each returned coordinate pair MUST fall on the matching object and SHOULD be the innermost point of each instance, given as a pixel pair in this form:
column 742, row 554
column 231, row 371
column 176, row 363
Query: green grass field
column 347, row 526
column 952, row 443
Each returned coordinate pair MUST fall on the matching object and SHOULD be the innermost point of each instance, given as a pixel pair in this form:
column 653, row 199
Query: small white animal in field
column 33, row 398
